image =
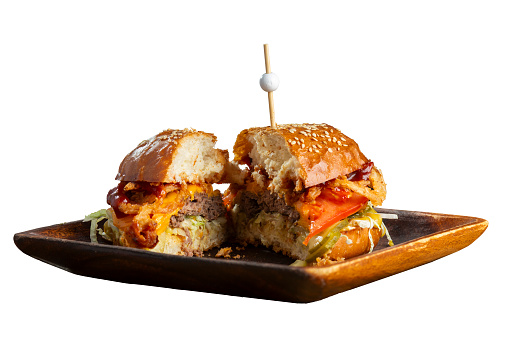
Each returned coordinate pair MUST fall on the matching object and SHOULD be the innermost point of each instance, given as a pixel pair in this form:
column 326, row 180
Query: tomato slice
column 333, row 206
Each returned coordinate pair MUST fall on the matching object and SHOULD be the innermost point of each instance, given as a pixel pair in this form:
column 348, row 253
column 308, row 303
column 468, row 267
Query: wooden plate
column 419, row 237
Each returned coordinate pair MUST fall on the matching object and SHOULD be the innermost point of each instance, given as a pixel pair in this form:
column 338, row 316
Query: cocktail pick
column 269, row 82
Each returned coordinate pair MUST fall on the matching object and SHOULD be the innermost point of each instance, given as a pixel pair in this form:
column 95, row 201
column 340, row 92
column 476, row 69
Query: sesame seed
column 313, row 134
column 296, row 138
column 310, row 149
column 337, row 148
column 302, row 140
column 315, row 139
column 343, row 139
column 329, row 149
column 314, row 146
column 302, row 146
column 317, row 151
column 319, row 146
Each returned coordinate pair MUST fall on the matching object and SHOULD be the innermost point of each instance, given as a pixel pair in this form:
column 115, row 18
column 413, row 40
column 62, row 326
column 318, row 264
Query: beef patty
column 210, row 208
column 252, row 204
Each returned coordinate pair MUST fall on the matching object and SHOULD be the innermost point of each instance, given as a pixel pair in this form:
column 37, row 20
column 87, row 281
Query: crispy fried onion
column 139, row 198
column 145, row 236
column 374, row 188
column 136, row 230
column 312, row 193
column 139, row 229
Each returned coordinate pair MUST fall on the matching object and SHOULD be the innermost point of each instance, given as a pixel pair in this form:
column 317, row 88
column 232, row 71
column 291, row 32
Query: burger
column 165, row 200
column 308, row 193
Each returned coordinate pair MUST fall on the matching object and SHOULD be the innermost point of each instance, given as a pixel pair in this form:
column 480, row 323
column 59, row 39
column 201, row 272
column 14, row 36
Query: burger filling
column 153, row 216
column 306, row 224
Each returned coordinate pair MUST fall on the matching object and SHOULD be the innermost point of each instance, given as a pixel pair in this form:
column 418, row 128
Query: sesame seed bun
column 305, row 154
column 175, row 156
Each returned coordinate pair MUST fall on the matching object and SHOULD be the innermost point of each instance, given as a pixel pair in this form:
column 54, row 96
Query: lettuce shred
column 109, row 232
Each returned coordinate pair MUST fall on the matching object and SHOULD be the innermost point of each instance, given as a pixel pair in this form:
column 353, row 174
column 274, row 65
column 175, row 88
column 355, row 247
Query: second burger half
column 309, row 193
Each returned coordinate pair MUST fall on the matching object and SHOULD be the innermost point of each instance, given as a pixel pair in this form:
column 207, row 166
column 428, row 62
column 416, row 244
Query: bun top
column 175, row 156
column 307, row 154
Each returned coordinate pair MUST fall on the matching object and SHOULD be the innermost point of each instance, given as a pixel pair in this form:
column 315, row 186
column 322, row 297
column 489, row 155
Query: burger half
column 309, row 193
column 165, row 201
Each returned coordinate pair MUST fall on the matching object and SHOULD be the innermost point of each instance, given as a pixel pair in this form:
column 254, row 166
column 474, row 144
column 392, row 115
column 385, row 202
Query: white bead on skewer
column 269, row 82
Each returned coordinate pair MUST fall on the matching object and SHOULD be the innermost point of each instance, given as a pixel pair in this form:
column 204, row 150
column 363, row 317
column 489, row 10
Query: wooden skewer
column 271, row 97
column 267, row 58
column 271, row 110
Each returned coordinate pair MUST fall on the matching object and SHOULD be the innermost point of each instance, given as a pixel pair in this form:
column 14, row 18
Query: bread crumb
column 224, row 252
column 239, row 248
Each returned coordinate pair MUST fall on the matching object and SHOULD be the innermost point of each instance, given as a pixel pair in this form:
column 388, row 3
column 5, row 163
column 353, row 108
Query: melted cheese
column 179, row 196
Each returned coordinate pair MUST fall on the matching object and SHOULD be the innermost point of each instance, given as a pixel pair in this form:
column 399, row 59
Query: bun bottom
column 278, row 233
column 190, row 239
column 361, row 243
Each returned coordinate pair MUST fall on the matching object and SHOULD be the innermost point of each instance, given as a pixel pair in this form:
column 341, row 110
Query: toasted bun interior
column 175, row 156
column 305, row 154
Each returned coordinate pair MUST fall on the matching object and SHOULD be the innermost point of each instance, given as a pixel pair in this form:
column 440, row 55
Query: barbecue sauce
column 116, row 196
column 362, row 173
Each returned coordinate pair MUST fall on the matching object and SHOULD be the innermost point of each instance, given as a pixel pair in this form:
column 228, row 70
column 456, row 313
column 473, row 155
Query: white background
column 421, row 86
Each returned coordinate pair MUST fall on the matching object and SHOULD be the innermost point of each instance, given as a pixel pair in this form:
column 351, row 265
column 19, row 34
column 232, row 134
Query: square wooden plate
column 419, row 238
